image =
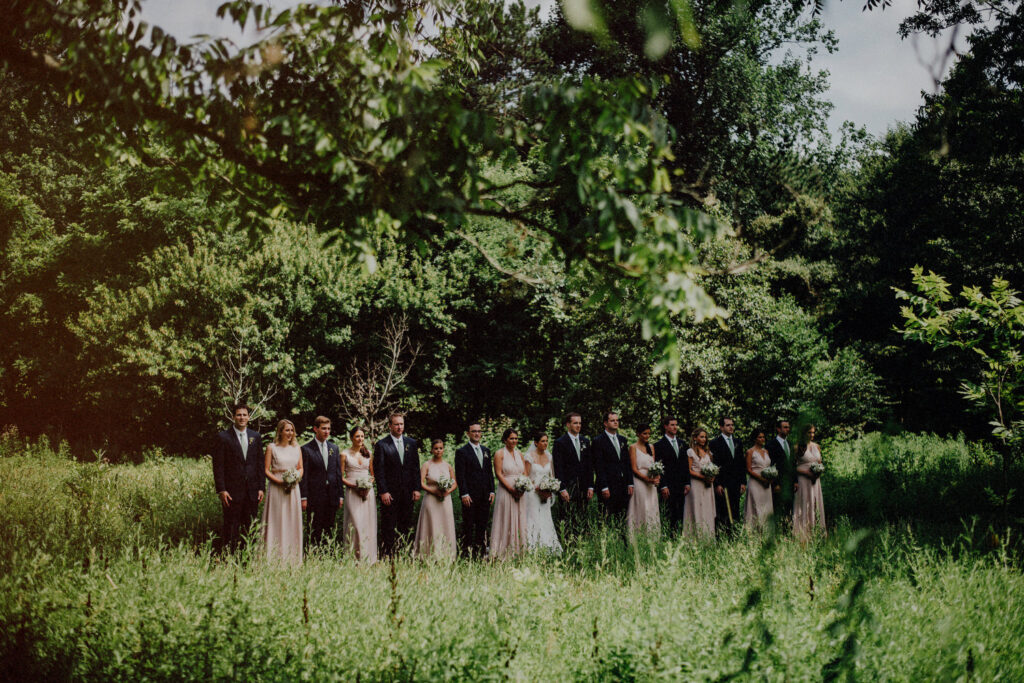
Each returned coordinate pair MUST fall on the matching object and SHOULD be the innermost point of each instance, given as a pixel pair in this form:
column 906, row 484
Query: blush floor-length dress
column 282, row 512
column 808, row 504
column 360, row 515
column 435, row 530
column 759, row 506
column 644, row 514
column 508, row 528
column 699, row 508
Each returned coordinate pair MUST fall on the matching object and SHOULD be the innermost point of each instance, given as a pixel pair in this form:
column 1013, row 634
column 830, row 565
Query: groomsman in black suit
column 781, row 454
column 727, row 452
column 571, row 457
column 675, row 483
column 475, row 479
column 613, row 474
column 238, row 475
column 321, row 481
column 396, row 467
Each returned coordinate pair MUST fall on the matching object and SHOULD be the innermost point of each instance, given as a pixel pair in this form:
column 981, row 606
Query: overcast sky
column 876, row 78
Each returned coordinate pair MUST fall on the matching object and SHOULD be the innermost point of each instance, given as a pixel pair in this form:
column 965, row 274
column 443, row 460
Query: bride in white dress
column 540, row 528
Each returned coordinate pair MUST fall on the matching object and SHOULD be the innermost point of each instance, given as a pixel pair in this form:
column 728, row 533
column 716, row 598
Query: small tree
column 240, row 380
column 367, row 388
column 992, row 326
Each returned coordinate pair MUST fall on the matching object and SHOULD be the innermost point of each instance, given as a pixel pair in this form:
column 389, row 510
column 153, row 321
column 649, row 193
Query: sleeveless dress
column 508, row 529
column 644, row 514
column 435, row 532
column 808, row 504
column 699, row 508
column 540, row 528
column 360, row 515
column 759, row 506
column 282, row 512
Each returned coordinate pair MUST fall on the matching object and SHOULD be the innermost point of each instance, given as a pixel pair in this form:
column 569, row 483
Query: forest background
column 649, row 214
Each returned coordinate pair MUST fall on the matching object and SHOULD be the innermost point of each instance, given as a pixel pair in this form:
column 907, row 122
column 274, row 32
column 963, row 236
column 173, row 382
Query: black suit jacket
column 392, row 476
column 677, row 467
column 778, row 457
column 239, row 476
column 610, row 471
column 733, row 466
column 319, row 486
column 575, row 473
column 473, row 480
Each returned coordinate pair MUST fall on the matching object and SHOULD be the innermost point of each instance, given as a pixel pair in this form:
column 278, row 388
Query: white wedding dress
column 540, row 528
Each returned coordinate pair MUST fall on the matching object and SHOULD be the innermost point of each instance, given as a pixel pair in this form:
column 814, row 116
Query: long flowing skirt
column 644, row 514
column 361, row 525
column 435, row 531
column 808, row 507
column 508, row 529
column 282, row 524
column 699, row 511
column 759, row 506
column 540, row 527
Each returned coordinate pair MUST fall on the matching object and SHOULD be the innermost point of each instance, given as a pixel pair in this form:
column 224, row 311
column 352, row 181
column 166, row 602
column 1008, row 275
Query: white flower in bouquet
column 817, row 468
column 771, row 473
column 365, row 483
column 290, row 478
column 549, row 484
column 523, row 484
column 445, row 483
column 709, row 471
column 656, row 470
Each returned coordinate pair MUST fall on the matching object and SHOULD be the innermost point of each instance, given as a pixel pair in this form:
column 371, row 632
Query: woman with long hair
column 435, row 530
column 282, row 510
column 508, row 529
column 644, row 513
column 360, row 503
column 699, row 508
column 758, row 506
column 808, row 505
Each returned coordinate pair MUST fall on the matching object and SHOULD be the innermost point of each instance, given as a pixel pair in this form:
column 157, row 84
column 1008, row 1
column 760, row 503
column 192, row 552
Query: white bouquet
column 771, row 473
column 365, row 483
column 445, row 483
column 817, row 468
column 523, row 484
column 549, row 484
column 656, row 470
column 709, row 471
column 290, row 478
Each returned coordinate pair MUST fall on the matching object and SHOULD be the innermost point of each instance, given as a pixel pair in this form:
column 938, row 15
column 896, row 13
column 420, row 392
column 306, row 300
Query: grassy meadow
column 108, row 572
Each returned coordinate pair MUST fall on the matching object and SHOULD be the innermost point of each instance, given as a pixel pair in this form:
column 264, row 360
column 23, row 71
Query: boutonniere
column 252, row 440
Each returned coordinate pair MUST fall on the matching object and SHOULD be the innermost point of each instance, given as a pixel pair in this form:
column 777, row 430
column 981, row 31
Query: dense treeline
column 136, row 301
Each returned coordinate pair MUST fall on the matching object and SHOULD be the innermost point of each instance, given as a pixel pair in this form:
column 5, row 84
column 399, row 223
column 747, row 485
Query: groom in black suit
column 238, row 475
column 396, row 467
column 570, row 455
column 613, row 473
column 321, row 481
column 675, row 483
column 727, row 452
column 475, row 479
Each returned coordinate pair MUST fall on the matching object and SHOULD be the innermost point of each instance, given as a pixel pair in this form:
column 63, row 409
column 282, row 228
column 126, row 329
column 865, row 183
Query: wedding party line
column 709, row 487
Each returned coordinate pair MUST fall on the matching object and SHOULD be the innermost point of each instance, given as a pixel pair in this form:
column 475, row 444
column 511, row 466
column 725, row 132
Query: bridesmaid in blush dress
column 759, row 505
column 282, row 511
column 644, row 514
column 508, row 529
column 435, row 532
column 360, row 504
column 808, row 505
column 699, row 508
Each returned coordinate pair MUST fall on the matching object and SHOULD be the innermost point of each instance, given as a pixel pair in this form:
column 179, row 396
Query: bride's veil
column 531, row 452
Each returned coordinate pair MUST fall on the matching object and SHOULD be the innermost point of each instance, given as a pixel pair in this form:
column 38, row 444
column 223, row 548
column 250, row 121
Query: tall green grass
column 108, row 573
